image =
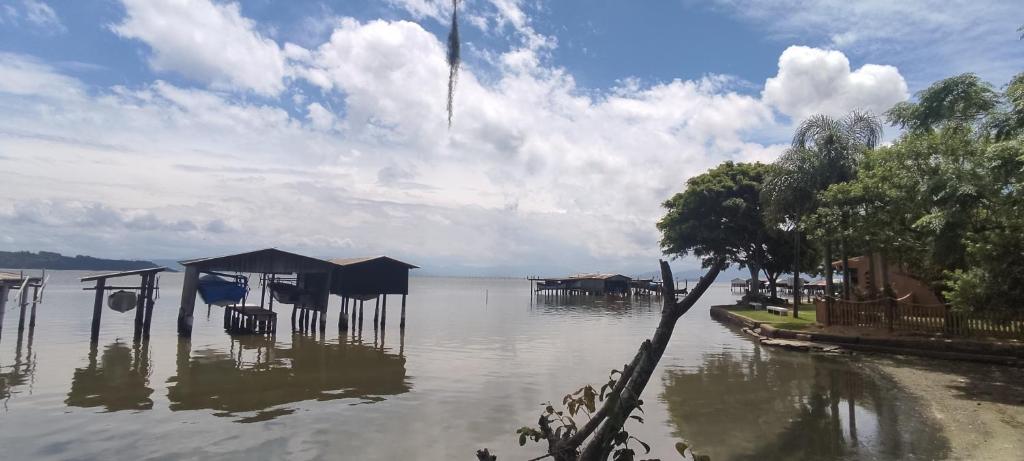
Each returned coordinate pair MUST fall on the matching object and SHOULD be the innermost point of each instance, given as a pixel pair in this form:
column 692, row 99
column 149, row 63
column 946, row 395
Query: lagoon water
column 477, row 360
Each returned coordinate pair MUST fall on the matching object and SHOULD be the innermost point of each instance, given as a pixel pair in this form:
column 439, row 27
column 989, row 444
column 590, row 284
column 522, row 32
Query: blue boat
column 221, row 291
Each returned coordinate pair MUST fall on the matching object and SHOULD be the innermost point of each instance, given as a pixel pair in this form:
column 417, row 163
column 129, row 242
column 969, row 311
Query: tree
column 719, row 215
column 945, row 200
column 602, row 436
column 824, row 151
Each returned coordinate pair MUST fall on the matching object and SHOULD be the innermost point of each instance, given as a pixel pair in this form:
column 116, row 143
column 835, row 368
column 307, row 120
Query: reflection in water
column 603, row 305
column 21, row 371
column 119, row 381
column 257, row 376
column 796, row 406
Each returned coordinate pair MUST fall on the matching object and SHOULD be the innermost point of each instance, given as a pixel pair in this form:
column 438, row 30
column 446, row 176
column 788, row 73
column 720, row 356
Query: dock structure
column 125, row 297
column 584, row 284
column 22, row 283
column 362, row 279
column 304, row 282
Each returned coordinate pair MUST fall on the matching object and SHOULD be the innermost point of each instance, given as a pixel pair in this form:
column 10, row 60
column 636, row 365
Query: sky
column 170, row 129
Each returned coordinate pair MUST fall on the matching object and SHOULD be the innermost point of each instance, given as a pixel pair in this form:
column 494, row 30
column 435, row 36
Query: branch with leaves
column 603, row 436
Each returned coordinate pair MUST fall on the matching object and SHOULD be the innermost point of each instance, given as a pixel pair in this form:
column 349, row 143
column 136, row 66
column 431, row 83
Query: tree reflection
column 119, row 380
column 258, row 376
column 743, row 406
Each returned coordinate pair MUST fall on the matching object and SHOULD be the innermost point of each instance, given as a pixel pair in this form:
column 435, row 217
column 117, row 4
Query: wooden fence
column 893, row 314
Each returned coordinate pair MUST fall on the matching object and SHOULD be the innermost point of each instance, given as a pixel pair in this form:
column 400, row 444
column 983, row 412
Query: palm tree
column 824, row 151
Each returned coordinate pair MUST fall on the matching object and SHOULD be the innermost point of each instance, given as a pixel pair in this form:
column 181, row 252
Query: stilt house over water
column 302, row 281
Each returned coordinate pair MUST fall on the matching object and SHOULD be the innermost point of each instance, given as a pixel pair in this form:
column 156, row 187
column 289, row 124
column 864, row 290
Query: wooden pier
column 303, row 282
column 23, row 284
column 594, row 285
column 144, row 298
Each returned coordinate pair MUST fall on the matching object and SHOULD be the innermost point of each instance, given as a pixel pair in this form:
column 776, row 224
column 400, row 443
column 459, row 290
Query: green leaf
column 637, row 418
column 681, row 448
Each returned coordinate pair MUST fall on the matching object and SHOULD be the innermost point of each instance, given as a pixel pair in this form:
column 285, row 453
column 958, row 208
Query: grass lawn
column 808, row 317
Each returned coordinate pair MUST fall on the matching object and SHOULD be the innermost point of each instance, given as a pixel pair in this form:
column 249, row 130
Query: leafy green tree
column 944, row 200
column 825, row 151
column 719, row 214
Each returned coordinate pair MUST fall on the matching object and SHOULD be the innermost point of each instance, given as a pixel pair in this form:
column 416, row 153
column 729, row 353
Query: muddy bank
column 979, row 406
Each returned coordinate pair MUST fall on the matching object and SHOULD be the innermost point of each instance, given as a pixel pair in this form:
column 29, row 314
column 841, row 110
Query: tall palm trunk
column 846, row 269
column 828, row 273
column 796, row 268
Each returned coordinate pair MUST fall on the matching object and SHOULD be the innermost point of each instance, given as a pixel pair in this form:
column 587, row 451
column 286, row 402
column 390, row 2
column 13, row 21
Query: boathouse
column 303, row 281
column 363, row 279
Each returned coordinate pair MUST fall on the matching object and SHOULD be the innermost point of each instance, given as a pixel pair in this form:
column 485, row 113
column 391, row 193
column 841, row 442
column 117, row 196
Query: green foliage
column 956, row 101
column 717, row 215
column 945, row 200
column 584, row 401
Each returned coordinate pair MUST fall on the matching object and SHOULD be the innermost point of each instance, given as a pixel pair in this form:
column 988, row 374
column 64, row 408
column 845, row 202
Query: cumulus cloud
column 534, row 169
column 34, row 13
column 933, row 38
column 812, row 80
column 206, row 41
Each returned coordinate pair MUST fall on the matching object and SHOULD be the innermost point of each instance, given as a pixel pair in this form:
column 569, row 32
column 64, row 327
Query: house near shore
column 600, row 284
column 866, row 279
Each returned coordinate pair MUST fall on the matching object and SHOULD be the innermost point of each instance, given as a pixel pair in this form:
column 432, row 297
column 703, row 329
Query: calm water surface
column 476, row 361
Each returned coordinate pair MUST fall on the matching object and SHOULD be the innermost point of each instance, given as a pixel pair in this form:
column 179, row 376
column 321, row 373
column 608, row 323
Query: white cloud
column 205, row 41
column 932, row 39
column 319, row 116
column 534, row 169
column 34, row 13
column 27, row 76
column 812, row 80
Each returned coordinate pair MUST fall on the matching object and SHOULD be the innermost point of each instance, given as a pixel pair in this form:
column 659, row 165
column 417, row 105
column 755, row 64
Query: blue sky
column 179, row 128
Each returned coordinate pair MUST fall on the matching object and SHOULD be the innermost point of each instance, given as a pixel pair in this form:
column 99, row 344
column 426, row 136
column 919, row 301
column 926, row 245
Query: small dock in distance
column 595, row 285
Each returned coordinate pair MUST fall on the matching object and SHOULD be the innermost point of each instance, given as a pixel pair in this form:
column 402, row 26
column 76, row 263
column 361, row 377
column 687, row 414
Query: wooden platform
column 249, row 319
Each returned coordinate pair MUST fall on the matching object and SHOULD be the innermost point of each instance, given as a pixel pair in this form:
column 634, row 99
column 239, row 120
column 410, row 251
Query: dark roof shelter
column 314, row 281
column 378, row 275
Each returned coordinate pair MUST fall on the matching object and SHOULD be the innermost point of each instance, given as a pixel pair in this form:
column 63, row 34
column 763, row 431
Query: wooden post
column 342, row 314
column 32, row 317
column 361, row 312
column 188, row 301
column 376, row 312
column 354, row 309
column 140, row 306
column 3, row 304
column 402, row 322
column 97, row 310
column 22, row 303
column 383, row 317
column 326, row 303
column 148, row 322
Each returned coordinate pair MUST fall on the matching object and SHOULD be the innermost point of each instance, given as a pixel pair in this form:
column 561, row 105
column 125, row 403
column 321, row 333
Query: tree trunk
column 755, row 284
column 846, row 269
column 884, row 262
column 647, row 360
column 828, row 273
column 796, row 269
column 872, row 278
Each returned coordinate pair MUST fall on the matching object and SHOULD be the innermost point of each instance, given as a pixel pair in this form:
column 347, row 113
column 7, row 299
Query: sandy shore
column 980, row 407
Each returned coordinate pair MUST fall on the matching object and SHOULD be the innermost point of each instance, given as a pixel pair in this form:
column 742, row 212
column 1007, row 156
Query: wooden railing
column 902, row 315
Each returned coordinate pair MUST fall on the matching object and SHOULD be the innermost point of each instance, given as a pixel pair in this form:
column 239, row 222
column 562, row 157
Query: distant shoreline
column 56, row 261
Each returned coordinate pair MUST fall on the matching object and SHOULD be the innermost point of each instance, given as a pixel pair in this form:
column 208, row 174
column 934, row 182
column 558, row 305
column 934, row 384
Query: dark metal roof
column 267, row 261
column 150, row 270
column 354, row 261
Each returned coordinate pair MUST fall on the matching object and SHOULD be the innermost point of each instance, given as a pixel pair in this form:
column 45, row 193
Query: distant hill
column 50, row 260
